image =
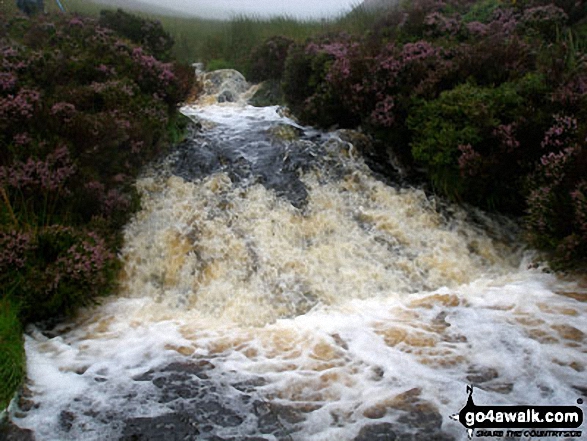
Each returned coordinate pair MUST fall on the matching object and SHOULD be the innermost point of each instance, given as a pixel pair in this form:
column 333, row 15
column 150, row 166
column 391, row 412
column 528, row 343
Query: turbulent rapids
column 275, row 289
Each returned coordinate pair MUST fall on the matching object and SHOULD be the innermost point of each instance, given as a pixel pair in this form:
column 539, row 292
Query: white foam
column 366, row 294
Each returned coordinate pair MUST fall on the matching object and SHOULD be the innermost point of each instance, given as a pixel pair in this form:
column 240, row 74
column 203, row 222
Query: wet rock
column 376, row 432
column 226, row 82
column 415, row 418
column 500, row 388
column 207, row 409
column 423, row 417
column 11, row 432
column 361, row 142
column 269, row 161
column 481, row 375
column 227, row 96
column 173, row 427
column 66, row 420
column 285, row 132
column 268, row 94
column 197, row 159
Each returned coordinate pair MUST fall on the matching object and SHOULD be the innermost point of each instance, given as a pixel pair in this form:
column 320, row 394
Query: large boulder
column 226, row 84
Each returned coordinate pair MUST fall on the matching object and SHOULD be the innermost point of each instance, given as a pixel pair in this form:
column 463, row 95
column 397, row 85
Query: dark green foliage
column 147, row 33
column 268, row 94
column 467, row 91
column 52, row 272
column 469, row 140
column 306, row 86
column 82, row 109
column 267, row 61
column 12, row 356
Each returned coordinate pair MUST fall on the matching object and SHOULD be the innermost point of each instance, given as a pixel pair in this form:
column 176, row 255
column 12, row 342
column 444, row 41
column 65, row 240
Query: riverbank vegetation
column 487, row 100
column 84, row 103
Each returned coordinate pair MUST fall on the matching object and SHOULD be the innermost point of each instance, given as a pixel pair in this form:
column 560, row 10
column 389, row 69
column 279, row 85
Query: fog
column 223, row 9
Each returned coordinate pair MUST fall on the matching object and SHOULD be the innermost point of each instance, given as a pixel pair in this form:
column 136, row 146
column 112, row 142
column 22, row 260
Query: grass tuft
column 12, row 356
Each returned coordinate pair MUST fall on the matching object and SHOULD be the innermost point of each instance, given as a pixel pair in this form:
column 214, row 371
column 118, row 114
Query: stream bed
column 274, row 288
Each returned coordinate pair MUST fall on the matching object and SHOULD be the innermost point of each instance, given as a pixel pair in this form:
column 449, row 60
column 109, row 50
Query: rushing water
column 275, row 289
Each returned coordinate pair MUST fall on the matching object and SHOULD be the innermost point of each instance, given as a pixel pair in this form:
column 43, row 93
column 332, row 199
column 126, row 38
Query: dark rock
column 66, row 420
column 223, row 80
column 227, row 96
column 203, row 408
column 376, row 432
column 268, row 94
column 274, row 163
column 481, row 375
column 423, row 417
column 11, row 432
column 172, row 427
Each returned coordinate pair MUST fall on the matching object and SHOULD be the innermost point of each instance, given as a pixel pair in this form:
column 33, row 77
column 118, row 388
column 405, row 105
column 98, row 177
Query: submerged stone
column 377, row 432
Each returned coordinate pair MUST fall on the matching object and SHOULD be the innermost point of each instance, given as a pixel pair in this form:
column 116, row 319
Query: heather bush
column 465, row 91
column 53, row 271
column 267, row 60
column 306, row 86
column 147, row 33
column 546, row 21
column 81, row 109
column 454, row 135
column 557, row 193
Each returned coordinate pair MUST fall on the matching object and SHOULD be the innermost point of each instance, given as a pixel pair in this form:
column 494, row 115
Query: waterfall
column 275, row 288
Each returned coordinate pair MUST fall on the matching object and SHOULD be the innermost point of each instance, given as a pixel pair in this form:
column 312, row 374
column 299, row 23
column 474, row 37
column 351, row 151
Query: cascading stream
column 273, row 288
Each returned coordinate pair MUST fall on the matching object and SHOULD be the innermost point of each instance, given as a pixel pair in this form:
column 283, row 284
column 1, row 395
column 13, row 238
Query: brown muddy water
column 275, row 289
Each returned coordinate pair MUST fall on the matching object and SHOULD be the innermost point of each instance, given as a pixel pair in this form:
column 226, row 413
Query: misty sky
column 227, row 8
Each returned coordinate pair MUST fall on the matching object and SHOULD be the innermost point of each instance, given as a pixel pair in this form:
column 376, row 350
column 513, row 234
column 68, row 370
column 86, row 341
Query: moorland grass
column 12, row 356
column 228, row 42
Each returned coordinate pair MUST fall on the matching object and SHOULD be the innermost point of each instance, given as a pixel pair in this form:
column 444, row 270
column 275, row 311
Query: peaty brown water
column 273, row 288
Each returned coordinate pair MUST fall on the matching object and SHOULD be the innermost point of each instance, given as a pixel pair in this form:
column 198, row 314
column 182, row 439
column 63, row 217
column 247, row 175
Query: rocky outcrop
column 227, row 85
column 11, row 432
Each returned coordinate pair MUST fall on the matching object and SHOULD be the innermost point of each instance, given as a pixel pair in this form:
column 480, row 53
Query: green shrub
column 82, row 109
column 557, row 193
column 468, row 139
column 482, row 11
column 218, row 64
column 147, row 33
column 12, row 356
column 267, row 60
column 52, row 272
